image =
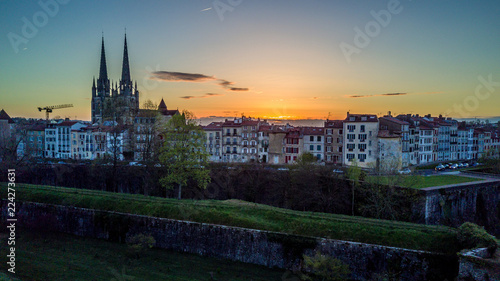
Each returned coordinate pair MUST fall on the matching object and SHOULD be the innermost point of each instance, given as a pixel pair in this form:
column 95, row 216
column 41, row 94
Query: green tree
column 326, row 268
column 183, row 153
column 354, row 175
column 306, row 158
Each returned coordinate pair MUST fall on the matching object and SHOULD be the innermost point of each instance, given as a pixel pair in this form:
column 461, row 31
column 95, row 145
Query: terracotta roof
column 312, row 131
column 338, row 124
column 394, row 120
column 5, row 116
column 213, row 126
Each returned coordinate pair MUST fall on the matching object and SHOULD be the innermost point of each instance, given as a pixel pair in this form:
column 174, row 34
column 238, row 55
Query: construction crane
column 48, row 109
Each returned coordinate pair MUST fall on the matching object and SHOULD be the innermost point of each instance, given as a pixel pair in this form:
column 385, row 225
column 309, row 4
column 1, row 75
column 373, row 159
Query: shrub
column 326, row 268
column 472, row 236
column 139, row 243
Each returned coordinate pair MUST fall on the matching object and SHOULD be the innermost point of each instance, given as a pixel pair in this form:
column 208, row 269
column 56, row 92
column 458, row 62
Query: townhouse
column 333, row 141
column 360, row 139
column 313, row 141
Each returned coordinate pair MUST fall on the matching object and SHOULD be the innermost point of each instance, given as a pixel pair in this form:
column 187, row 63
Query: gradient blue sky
column 285, row 52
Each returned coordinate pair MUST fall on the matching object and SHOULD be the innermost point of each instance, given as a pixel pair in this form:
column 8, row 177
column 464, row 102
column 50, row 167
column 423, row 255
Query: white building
column 360, row 140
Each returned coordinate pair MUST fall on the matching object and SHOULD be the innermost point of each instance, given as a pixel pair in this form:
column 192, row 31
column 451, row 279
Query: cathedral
column 114, row 101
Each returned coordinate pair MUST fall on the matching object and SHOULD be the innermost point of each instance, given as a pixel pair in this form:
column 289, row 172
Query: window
column 362, row 129
column 328, row 149
column 351, row 128
column 311, row 138
column 362, row 137
column 362, row 146
column 319, row 138
column 329, row 139
column 350, row 156
column 351, row 137
column 311, row 147
column 361, row 157
column 318, row 147
column 351, row 146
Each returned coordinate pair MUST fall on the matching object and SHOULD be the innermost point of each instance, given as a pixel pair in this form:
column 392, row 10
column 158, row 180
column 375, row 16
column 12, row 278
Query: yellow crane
column 48, row 109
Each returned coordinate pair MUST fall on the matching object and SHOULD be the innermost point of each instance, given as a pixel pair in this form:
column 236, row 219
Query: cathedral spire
column 125, row 67
column 103, row 72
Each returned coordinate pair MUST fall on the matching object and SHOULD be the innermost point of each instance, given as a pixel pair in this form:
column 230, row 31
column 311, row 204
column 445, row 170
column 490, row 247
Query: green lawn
column 251, row 215
column 418, row 182
column 65, row 257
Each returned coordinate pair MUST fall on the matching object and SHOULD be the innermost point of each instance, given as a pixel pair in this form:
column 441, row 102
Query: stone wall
column 472, row 202
column 477, row 265
column 246, row 245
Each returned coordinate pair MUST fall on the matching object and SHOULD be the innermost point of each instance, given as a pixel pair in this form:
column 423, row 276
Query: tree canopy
column 183, row 153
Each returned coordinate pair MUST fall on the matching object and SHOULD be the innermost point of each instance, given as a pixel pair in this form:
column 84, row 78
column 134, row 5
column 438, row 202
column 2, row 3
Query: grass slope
column 415, row 181
column 50, row 256
column 250, row 215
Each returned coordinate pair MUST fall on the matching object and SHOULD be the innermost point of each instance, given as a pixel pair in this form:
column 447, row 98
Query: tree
column 183, row 153
column 147, row 132
column 354, row 175
column 306, row 158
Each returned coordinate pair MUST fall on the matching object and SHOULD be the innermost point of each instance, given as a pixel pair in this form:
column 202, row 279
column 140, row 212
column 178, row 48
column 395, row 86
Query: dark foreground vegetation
column 309, row 188
column 53, row 256
column 251, row 215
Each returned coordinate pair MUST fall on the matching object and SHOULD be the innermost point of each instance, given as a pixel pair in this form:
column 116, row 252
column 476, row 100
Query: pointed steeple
column 103, row 71
column 125, row 67
column 162, row 105
column 93, row 83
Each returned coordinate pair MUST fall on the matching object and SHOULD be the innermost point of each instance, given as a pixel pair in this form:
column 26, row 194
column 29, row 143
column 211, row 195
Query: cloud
column 238, row 89
column 394, row 94
column 207, row 9
column 227, row 85
column 181, row 76
column 212, row 95
column 360, row 96
column 207, row 95
column 171, row 76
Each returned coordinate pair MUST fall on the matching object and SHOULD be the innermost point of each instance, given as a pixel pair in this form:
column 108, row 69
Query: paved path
column 484, row 178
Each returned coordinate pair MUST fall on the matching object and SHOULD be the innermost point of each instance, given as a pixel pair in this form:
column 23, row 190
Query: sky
column 286, row 59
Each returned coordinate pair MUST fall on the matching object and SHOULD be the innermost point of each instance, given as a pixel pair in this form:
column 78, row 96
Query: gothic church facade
column 114, row 101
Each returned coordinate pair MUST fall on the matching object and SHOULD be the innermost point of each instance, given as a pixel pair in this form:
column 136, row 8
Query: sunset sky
column 261, row 58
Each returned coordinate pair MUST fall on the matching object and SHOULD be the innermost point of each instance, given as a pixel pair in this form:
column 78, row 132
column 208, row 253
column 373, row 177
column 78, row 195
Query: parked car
column 454, row 166
column 405, row 171
column 440, row 167
column 466, row 165
column 460, row 165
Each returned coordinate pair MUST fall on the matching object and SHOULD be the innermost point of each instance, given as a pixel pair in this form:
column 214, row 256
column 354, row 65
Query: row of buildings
column 388, row 142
